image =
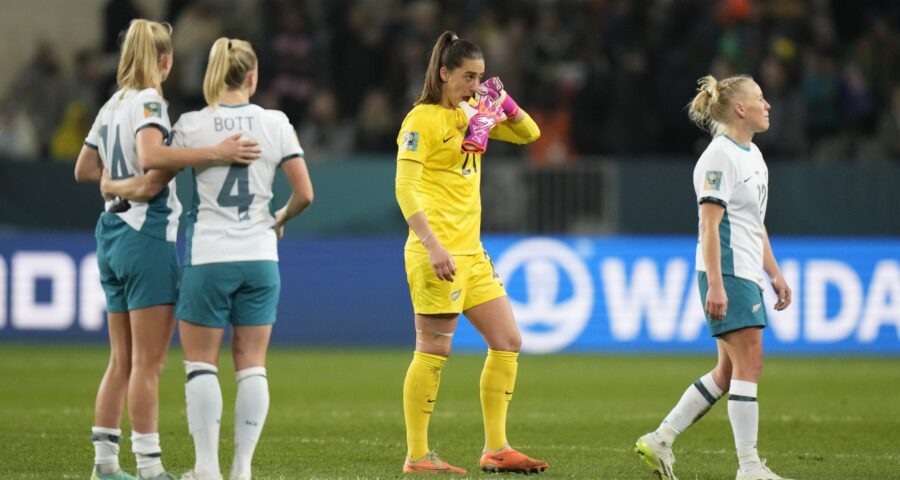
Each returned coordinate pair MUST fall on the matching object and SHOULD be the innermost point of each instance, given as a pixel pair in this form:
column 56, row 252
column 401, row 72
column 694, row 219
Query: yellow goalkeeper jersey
column 449, row 188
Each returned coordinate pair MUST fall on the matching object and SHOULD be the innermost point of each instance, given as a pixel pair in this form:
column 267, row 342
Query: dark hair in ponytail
column 449, row 51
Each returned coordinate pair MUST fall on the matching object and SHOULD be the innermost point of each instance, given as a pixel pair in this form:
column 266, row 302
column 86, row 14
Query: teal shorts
column 745, row 305
column 136, row 270
column 239, row 293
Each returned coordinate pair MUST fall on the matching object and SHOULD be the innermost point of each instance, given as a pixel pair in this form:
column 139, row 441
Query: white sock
column 203, row 398
column 148, row 454
column 106, row 449
column 694, row 403
column 743, row 411
column 250, row 411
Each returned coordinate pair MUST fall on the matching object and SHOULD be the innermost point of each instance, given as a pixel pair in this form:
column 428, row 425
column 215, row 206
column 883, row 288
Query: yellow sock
column 498, row 379
column 419, row 394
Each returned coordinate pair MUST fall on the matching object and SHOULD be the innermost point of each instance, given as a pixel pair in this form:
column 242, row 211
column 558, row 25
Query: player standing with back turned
column 136, row 246
column 231, row 272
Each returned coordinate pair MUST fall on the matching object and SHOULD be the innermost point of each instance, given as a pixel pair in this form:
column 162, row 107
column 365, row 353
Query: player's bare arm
column 153, row 153
column 779, row 284
column 138, row 188
column 88, row 167
column 301, row 193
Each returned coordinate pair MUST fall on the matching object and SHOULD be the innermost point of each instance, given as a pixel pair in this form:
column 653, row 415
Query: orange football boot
column 512, row 461
column 431, row 464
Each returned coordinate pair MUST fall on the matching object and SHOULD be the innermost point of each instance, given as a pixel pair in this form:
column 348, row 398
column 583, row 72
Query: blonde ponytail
column 230, row 61
column 711, row 107
column 144, row 44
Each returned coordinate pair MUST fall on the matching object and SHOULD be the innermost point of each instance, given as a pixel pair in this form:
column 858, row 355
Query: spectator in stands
column 18, row 138
column 39, row 92
column 376, row 124
column 604, row 51
column 887, row 144
column 295, row 53
column 788, row 137
column 198, row 24
column 325, row 133
column 69, row 136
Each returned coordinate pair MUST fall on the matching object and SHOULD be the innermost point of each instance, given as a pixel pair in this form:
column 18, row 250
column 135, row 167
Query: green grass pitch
column 338, row 414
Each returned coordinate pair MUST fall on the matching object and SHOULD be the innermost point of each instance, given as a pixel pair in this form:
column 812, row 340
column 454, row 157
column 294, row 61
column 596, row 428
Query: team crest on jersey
column 411, row 141
column 152, row 109
column 713, row 180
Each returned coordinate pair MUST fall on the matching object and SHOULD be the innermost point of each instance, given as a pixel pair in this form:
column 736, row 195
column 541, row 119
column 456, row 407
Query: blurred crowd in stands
column 601, row 77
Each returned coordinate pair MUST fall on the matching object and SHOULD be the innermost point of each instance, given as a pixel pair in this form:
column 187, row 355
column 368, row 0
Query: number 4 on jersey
column 118, row 169
column 240, row 175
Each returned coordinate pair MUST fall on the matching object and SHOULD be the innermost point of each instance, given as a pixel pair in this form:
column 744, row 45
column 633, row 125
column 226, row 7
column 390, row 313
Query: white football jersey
column 230, row 219
column 737, row 178
column 113, row 135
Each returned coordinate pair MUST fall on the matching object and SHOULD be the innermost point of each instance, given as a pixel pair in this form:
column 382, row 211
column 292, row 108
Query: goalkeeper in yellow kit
column 439, row 153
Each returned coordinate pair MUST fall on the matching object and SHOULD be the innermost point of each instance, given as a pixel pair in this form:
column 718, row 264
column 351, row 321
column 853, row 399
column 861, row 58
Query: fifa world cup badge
column 411, row 141
column 152, row 109
column 713, row 180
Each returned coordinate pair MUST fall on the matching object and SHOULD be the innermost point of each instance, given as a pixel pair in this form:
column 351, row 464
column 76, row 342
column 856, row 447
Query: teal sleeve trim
column 713, row 200
column 90, row 145
column 164, row 130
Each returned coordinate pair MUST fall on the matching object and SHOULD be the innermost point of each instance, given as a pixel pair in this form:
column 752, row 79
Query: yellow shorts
column 475, row 283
